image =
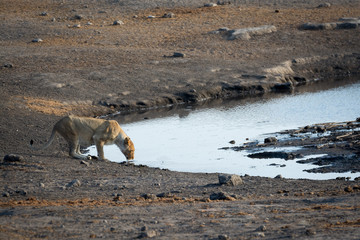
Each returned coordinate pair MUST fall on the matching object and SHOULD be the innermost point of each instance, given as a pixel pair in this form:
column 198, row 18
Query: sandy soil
column 103, row 68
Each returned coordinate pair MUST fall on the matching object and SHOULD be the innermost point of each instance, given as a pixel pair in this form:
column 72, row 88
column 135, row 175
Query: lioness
column 83, row 130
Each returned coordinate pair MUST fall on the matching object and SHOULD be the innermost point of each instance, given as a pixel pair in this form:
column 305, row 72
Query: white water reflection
column 191, row 143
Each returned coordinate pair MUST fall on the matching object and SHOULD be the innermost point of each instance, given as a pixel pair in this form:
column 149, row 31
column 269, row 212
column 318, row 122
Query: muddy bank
column 338, row 142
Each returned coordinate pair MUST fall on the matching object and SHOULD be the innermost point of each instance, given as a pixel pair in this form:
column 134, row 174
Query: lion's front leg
column 100, row 150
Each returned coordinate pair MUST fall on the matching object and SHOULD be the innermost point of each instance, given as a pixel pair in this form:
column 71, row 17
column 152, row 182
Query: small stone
column 324, row 5
column 210, row 5
column 169, row 15
column 348, row 189
column 270, row 140
column 6, row 194
column 74, row 183
column 151, row 16
column 85, row 163
column 78, row 17
column 42, row 185
column 148, row 234
column 223, row 237
column 279, row 176
column 232, row 142
column 221, row 196
column 261, row 228
column 259, row 234
column 89, row 23
column 233, row 180
column 118, row 22
column 37, row 40
column 77, row 25
column 43, row 14
column 13, row 158
column 178, row 55
column 8, row 65
column 148, row 196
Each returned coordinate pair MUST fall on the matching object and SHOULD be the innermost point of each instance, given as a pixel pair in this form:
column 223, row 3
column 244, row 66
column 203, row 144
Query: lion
column 88, row 131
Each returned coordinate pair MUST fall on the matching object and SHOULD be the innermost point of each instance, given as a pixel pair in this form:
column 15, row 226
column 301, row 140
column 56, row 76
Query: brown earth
column 101, row 68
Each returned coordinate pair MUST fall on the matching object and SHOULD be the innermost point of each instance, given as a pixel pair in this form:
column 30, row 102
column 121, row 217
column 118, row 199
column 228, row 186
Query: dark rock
column 348, row 189
column 270, row 140
column 221, row 196
column 6, row 194
column 282, row 155
column 8, row 65
column 347, row 25
column 283, row 87
column 324, row 5
column 74, row 183
column 223, row 237
column 279, row 176
column 178, row 55
column 233, row 180
column 13, row 158
column 164, row 195
column 169, row 15
column 232, row 142
column 148, row 196
column 78, row 17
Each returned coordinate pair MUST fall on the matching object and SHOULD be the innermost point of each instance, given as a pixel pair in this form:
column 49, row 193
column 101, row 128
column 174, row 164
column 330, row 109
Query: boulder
column 232, row 180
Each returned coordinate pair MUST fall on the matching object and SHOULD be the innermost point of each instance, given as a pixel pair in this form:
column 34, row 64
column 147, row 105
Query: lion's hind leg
column 74, row 149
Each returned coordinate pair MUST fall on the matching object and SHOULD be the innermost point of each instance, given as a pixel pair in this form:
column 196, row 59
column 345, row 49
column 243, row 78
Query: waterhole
column 189, row 139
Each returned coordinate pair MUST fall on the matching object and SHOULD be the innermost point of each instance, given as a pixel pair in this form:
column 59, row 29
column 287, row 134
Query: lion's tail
column 46, row 145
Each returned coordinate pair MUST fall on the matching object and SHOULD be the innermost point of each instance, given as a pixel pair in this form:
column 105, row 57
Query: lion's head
column 127, row 148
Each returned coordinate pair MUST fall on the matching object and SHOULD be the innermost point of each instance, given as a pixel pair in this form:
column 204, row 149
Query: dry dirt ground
column 87, row 66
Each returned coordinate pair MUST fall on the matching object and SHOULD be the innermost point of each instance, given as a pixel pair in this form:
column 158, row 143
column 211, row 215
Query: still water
column 190, row 141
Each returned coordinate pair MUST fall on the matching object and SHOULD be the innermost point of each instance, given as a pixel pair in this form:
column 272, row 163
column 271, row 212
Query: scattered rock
column 8, row 65
column 43, row 14
column 210, row 5
column 223, row 237
column 324, row 5
column 13, row 158
column 348, row 189
column 78, row 17
column 270, row 140
column 146, row 233
column 246, row 33
column 76, row 25
column 221, row 196
column 164, row 195
column 279, row 176
column 283, row 87
column 168, row 15
column 37, row 40
column 151, row 16
column 233, row 180
column 42, row 185
column 118, row 22
column 259, row 234
column 74, row 183
column 148, row 196
column 85, row 163
column 232, row 142
column 310, row 232
column 262, row 228
column 6, row 194
column 178, row 55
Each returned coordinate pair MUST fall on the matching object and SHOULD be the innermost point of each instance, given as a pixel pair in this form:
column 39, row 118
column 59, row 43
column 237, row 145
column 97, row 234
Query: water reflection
column 188, row 139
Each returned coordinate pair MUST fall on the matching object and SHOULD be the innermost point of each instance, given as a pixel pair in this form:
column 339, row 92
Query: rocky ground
column 68, row 57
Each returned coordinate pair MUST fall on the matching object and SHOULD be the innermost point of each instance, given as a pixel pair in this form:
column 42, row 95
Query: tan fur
column 87, row 131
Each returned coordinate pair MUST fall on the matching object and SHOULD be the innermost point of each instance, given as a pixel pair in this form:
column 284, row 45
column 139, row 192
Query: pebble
column 85, row 163
column 8, row 65
column 151, row 16
column 78, row 16
column 178, row 55
column 324, row 5
column 74, row 183
column 223, row 237
column 270, row 140
column 279, row 176
column 261, row 228
column 13, row 158
column 42, row 185
column 6, row 194
column 43, row 14
column 221, row 196
column 37, row 40
column 233, row 180
column 118, row 22
column 210, row 5
column 232, row 142
column 169, row 15
column 77, row 25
